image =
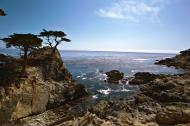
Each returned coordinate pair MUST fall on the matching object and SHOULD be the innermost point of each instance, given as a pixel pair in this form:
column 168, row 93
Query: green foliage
column 22, row 40
column 54, row 38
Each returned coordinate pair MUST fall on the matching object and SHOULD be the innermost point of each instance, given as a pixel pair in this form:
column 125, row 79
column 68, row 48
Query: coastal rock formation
column 114, row 76
column 102, row 108
column 179, row 61
column 161, row 100
column 142, row 78
column 166, row 96
column 52, row 67
column 48, row 84
column 173, row 115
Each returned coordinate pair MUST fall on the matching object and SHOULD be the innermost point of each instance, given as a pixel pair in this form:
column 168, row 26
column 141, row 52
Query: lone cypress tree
column 24, row 42
column 54, row 38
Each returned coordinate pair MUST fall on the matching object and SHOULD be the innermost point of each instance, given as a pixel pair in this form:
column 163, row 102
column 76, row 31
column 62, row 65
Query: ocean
column 89, row 67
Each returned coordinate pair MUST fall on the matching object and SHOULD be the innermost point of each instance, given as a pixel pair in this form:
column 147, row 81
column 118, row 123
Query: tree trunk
column 24, row 61
column 54, row 48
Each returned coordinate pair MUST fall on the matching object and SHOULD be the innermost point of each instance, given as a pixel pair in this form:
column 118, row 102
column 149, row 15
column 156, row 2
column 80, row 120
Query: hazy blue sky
column 122, row 25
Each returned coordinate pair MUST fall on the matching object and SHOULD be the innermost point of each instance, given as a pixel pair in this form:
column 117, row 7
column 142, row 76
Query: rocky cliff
column 48, row 84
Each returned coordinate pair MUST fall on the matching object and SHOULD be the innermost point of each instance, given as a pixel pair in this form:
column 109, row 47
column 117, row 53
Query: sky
column 104, row 25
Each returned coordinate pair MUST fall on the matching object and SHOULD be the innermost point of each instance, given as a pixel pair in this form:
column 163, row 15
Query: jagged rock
column 171, row 91
column 47, row 85
column 80, row 91
column 52, row 66
column 31, row 98
column 102, row 108
column 179, row 61
column 172, row 115
column 142, row 78
column 114, row 76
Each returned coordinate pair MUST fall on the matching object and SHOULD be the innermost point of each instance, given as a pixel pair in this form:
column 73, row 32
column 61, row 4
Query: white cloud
column 133, row 10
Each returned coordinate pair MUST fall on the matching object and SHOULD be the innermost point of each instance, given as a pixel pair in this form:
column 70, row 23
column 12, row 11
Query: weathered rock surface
column 142, row 78
column 180, row 61
column 165, row 97
column 102, row 108
column 114, row 76
column 48, row 84
column 172, row 115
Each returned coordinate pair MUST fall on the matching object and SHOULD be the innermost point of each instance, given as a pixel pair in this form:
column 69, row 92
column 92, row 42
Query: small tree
column 24, row 42
column 2, row 13
column 54, row 38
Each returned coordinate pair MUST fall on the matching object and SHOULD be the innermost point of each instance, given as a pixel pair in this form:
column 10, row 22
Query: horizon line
column 130, row 51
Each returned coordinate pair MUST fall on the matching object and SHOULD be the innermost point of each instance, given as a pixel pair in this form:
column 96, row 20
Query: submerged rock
column 114, row 76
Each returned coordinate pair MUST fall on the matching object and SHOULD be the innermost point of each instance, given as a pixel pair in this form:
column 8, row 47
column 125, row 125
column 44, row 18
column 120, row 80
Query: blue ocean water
column 88, row 68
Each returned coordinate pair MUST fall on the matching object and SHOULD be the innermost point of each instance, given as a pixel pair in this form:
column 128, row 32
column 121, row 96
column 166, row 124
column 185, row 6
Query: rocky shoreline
column 48, row 84
column 163, row 100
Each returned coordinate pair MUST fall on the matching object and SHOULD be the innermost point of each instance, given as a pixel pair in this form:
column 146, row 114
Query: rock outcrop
column 172, row 115
column 48, row 84
column 142, row 78
column 165, row 96
column 179, row 61
column 114, row 76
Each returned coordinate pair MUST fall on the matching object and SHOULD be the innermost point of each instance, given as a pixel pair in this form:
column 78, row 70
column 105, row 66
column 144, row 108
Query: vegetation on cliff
column 24, row 42
column 28, row 43
column 47, row 83
column 54, row 38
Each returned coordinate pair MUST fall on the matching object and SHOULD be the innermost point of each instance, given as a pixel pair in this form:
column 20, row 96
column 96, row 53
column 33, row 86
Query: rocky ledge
column 48, row 84
column 181, row 60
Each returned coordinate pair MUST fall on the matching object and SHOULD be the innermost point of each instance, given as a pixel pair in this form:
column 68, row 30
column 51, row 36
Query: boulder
column 142, row 78
column 78, row 91
column 114, row 76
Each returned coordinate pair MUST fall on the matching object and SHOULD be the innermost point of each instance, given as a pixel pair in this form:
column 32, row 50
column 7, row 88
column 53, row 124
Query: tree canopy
column 24, row 42
column 54, row 38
